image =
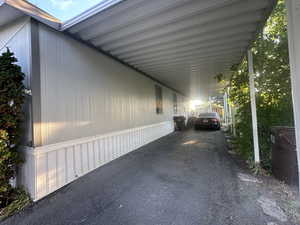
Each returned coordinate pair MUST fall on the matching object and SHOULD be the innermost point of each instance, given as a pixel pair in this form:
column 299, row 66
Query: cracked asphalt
column 185, row 178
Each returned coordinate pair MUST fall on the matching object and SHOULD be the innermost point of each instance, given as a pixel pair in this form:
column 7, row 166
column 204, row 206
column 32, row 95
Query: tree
column 273, row 84
column 11, row 116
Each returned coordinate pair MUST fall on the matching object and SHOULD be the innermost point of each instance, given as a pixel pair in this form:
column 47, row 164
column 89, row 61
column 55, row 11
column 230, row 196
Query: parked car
column 208, row 120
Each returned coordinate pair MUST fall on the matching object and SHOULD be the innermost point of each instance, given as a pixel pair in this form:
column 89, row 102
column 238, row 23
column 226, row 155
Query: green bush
column 273, row 87
column 11, row 115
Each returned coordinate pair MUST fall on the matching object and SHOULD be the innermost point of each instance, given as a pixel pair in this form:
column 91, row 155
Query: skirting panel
column 49, row 168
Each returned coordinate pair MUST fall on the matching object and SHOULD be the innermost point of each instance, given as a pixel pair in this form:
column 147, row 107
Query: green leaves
column 11, row 115
column 273, row 84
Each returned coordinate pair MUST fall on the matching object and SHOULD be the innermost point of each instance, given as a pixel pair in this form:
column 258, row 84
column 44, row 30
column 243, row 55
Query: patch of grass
column 257, row 169
column 21, row 200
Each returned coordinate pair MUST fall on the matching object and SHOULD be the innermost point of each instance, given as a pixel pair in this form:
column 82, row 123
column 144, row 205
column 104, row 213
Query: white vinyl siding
column 86, row 93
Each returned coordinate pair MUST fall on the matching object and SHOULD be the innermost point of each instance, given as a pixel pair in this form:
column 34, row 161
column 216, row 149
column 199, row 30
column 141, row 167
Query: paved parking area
column 186, row 178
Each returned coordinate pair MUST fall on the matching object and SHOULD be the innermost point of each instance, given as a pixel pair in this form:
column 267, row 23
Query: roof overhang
column 180, row 43
column 183, row 43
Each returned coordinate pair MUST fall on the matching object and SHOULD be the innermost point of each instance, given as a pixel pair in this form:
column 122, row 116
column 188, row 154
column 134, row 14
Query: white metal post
column 293, row 8
column 229, row 109
column 225, row 108
column 253, row 107
column 210, row 105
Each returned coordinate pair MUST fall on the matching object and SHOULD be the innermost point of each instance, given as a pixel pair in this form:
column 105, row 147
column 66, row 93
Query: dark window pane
column 159, row 99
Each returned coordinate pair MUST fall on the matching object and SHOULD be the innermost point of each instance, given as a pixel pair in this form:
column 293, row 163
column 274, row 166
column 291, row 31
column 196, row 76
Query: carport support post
column 253, row 107
column 293, row 8
column 225, row 108
column 229, row 109
column 210, row 105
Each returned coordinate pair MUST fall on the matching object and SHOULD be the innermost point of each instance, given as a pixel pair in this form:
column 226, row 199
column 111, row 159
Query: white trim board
column 50, row 167
column 89, row 13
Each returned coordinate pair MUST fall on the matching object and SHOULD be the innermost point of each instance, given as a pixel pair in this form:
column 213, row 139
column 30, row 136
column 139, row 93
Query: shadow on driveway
column 185, row 178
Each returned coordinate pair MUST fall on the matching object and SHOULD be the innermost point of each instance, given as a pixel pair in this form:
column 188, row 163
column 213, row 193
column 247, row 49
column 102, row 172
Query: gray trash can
column 284, row 154
column 179, row 123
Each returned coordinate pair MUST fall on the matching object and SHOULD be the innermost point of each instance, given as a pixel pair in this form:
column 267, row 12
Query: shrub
column 273, row 88
column 11, row 115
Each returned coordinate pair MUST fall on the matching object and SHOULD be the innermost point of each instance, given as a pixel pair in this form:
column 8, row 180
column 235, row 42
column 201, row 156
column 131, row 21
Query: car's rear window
column 208, row 115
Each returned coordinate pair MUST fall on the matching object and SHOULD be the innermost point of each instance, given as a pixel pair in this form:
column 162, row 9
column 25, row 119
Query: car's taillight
column 214, row 120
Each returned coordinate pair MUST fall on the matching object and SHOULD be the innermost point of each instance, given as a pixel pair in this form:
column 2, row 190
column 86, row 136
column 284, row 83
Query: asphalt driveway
column 185, row 178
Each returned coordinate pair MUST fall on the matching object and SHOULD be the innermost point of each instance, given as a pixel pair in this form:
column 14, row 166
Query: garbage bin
column 284, row 154
column 179, row 123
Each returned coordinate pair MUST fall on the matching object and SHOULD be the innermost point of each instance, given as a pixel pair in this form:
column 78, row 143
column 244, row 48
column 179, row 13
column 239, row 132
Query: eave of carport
column 182, row 43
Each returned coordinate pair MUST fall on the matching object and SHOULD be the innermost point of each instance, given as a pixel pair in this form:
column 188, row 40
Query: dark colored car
column 209, row 121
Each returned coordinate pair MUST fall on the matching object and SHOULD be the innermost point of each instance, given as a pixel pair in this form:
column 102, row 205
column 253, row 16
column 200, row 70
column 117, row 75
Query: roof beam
column 160, row 12
column 189, row 48
column 190, row 55
column 200, row 63
column 190, row 61
column 193, row 60
column 183, row 72
column 223, row 24
column 196, row 41
column 194, row 36
column 139, row 31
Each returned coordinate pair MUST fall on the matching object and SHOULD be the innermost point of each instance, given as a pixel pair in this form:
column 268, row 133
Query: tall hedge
column 273, row 87
column 11, row 116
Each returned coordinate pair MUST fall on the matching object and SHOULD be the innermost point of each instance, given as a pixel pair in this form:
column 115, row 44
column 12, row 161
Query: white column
column 210, row 105
column 293, row 7
column 225, row 108
column 229, row 109
column 253, row 107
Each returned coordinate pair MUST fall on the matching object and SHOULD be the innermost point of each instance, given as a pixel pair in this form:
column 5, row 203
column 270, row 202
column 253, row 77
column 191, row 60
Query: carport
column 186, row 43
column 178, row 44
column 181, row 43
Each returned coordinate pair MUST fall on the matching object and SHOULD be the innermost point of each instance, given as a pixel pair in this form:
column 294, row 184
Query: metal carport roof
column 182, row 43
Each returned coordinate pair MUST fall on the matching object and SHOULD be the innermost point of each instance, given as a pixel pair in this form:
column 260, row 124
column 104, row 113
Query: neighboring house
column 86, row 108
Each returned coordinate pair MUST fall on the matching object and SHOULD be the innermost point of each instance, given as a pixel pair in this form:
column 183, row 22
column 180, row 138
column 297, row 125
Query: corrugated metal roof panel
column 176, row 41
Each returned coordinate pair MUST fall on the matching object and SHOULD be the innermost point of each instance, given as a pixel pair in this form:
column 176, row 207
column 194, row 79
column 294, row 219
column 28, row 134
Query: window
column 175, row 103
column 159, row 100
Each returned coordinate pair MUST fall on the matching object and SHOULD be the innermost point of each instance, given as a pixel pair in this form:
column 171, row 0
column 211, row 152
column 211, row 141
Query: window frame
column 158, row 99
